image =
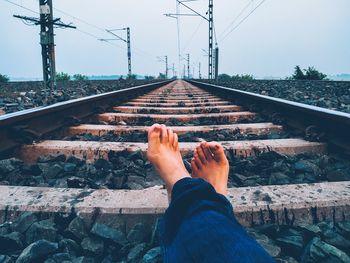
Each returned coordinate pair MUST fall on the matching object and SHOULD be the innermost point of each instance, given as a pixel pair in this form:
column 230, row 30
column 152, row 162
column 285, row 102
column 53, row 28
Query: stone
column 54, row 171
column 83, row 260
column 319, row 251
column 333, row 238
column 153, row 255
column 136, row 252
column 93, row 245
column 76, row 182
column 69, row 246
column 69, row 167
column 37, row 251
column 77, row 228
column 6, row 166
column 5, row 228
column 138, row 233
column 23, row 222
column 109, row 234
column 44, row 229
column 279, row 178
column 310, row 231
column 344, row 229
column 266, row 243
column 61, row 257
column 291, row 242
column 11, row 242
column 5, row 259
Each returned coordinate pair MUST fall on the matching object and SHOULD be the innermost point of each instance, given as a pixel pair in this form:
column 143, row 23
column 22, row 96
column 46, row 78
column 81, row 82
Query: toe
column 207, row 153
column 218, row 151
column 197, row 161
column 201, row 154
column 176, row 141
column 170, row 136
column 154, row 132
column 163, row 134
column 194, row 168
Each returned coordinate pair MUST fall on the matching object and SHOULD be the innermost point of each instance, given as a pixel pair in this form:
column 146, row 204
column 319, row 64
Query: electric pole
column 211, row 22
column 216, row 62
column 127, row 41
column 199, row 71
column 173, row 70
column 188, row 66
column 166, row 67
column 47, row 42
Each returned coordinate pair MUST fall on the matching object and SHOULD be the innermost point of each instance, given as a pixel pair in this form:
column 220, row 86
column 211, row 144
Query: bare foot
column 163, row 152
column 210, row 163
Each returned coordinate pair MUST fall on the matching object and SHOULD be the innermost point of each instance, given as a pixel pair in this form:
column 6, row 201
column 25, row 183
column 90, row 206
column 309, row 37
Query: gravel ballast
column 333, row 95
column 16, row 96
column 69, row 238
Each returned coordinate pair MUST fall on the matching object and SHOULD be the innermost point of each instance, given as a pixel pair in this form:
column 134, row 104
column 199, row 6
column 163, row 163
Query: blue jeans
column 199, row 226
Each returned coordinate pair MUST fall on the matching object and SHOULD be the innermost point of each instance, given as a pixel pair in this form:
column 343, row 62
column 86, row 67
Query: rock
column 6, row 166
column 11, row 242
column 136, row 252
column 77, row 228
column 5, row 259
column 44, row 229
column 76, row 182
column 153, row 255
column 69, row 167
column 291, row 242
column 319, row 251
column 83, row 260
column 37, row 251
column 93, row 245
column 337, row 175
column 24, row 221
column 267, row 244
column 69, row 246
column 102, row 164
column 138, row 233
column 5, row 228
column 333, row 238
column 310, row 231
column 344, row 229
column 109, row 234
column 61, row 257
column 279, row 178
column 54, row 171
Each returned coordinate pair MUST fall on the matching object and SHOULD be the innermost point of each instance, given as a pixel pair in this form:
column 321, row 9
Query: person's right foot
column 163, row 152
column 210, row 163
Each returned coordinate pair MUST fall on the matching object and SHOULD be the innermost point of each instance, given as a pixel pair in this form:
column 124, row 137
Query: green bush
column 242, row 77
column 61, row 76
column 4, row 78
column 79, row 77
column 307, row 74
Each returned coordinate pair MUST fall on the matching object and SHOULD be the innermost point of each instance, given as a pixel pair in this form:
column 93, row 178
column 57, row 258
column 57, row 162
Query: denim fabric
column 199, row 226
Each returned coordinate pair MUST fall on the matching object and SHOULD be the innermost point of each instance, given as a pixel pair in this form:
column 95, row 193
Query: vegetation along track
column 288, row 160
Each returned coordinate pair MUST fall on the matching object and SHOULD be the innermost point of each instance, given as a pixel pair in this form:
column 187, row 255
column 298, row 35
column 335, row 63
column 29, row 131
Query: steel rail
column 19, row 127
column 335, row 125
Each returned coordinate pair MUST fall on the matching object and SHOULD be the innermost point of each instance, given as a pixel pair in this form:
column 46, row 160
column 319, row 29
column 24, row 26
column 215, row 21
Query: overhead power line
column 236, row 18
column 240, row 22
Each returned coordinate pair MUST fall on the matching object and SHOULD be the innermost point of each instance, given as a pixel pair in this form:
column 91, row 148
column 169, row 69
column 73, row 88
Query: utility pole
column 216, row 63
column 210, row 19
column 188, row 66
column 199, row 71
column 47, row 42
column 184, row 74
column 173, row 70
column 166, row 67
column 211, row 22
column 127, row 41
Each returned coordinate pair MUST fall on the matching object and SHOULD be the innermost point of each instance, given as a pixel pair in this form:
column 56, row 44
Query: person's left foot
column 164, row 153
column 210, row 163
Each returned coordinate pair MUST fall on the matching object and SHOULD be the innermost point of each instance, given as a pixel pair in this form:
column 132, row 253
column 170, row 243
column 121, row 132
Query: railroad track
column 189, row 108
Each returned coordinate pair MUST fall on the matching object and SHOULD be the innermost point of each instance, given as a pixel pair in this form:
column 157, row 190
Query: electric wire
column 236, row 18
column 245, row 18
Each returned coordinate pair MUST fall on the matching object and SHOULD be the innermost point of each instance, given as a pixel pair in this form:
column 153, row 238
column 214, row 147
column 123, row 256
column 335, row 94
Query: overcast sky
column 270, row 42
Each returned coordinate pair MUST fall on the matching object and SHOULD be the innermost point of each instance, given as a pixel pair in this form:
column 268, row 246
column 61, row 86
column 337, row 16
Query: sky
column 270, row 42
